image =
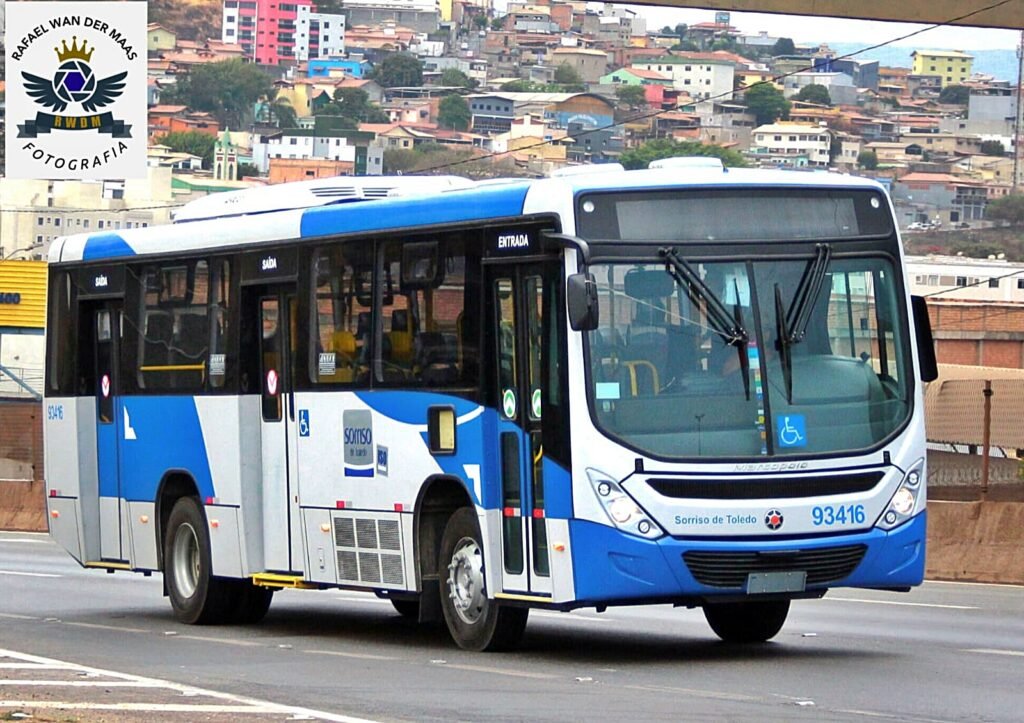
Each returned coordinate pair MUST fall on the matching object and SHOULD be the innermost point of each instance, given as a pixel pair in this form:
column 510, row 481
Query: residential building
column 493, row 112
column 336, row 67
column 324, row 141
column 780, row 141
column 931, row 197
column 700, row 75
column 318, row 35
column 840, row 87
column 960, row 278
column 159, row 38
column 285, row 170
column 726, row 124
column 952, row 66
column 635, row 76
column 589, row 64
column 420, row 16
column 863, row 73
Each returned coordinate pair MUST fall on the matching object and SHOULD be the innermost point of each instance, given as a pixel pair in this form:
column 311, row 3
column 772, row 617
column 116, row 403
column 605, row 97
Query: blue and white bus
column 686, row 385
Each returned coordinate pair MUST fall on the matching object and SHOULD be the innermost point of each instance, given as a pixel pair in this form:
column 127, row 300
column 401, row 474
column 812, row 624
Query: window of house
column 993, row 283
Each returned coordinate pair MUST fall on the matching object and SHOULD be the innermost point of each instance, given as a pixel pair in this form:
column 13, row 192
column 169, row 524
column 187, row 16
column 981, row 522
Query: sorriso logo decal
column 76, row 90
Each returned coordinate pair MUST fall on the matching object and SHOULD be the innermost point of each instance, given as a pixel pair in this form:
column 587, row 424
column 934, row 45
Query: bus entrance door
column 520, row 300
column 105, row 333
column 282, row 537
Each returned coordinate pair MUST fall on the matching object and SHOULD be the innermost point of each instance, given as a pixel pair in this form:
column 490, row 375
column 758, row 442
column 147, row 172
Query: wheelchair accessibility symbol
column 303, row 422
column 792, row 430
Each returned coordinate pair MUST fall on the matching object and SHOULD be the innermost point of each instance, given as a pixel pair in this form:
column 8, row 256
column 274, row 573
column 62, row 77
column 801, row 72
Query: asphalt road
column 102, row 643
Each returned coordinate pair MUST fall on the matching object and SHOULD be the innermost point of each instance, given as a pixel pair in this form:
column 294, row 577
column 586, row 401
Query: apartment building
column 952, row 66
column 782, row 141
column 272, row 32
column 700, row 75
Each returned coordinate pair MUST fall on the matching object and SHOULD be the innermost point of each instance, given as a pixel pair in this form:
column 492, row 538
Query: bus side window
column 60, row 337
column 341, row 316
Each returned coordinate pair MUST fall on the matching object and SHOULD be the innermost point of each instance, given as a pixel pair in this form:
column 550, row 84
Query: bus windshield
column 710, row 362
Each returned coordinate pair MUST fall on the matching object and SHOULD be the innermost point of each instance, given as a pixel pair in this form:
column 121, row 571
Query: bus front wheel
column 747, row 622
column 197, row 597
column 475, row 621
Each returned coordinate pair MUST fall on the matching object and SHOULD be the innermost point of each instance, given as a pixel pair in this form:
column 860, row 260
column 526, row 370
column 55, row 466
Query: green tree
column 498, row 23
column 814, row 93
column 281, row 112
column 567, row 75
column 193, row 142
column 667, row 30
column 480, row 21
column 955, row 95
column 227, row 89
column 455, row 77
column 1009, row 209
column 686, row 45
column 654, row 150
column 631, row 96
column 399, row 70
column 993, row 148
column 868, row 160
column 247, row 170
column 453, row 112
column 783, row 46
column 766, row 103
column 519, row 86
column 355, row 104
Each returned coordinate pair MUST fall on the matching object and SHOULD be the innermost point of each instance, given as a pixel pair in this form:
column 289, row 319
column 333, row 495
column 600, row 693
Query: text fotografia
column 75, row 164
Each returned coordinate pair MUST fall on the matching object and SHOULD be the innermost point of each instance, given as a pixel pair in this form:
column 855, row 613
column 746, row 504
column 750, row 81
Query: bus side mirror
column 581, row 294
column 929, row 370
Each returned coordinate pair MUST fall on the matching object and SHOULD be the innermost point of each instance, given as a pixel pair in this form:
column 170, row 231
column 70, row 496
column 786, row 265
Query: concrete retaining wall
column 22, row 506
column 976, row 541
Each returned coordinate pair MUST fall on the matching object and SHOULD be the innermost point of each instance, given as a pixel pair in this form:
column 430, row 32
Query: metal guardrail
column 21, row 382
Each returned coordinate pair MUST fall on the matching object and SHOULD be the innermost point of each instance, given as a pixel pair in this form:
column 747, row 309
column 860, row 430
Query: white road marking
column 994, row 651
column 357, row 598
column 971, row 584
column 30, row 666
column 696, row 692
column 901, row 604
column 225, row 641
column 24, row 540
column 99, row 626
column 86, row 683
column 28, row 574
column 14, row 616
column 233, row 703
column 340, row 654
column 570, row 617
column 502, row 671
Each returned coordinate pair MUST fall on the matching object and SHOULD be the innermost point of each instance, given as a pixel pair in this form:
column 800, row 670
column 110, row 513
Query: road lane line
column 900, row 604
column 225, row 641
column 361, row 656
column 570, row 616
column 994, row 651
column 30, row 666
column 143, row 707
column 501, row 671
column 28, row 574
column 15, row 616
column 237, row 700
column 85, row 683
column 100, row 626
column 697, row 692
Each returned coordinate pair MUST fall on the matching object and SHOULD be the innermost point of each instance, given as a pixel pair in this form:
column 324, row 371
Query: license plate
column 759, row 583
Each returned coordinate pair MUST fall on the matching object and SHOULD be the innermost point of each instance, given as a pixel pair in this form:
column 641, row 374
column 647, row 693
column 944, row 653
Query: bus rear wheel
column 197, row 597
column 474, row 621
column 747, row 622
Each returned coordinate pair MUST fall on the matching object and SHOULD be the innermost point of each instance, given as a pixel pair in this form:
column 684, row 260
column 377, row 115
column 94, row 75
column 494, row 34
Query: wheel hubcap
column 185, row 562
column 466, row 581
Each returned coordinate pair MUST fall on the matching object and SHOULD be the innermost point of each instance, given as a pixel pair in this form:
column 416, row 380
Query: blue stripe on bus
column 471, row 205
column 106, row 246
column 168, row 436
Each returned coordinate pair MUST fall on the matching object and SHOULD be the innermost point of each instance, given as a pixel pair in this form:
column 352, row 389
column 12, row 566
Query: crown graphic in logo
column 74, row 52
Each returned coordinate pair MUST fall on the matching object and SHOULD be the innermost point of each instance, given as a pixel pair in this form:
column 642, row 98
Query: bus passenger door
column 276, row 327
column 519, row 300
column 105, row 331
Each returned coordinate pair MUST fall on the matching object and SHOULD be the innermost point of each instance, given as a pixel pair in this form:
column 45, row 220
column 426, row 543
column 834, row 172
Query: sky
column 808, row 29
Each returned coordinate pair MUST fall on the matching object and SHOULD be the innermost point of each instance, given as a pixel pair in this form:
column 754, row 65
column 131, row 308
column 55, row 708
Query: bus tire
column 747, row 622
column 474, row 621
column 197, row 597
column 253, row 602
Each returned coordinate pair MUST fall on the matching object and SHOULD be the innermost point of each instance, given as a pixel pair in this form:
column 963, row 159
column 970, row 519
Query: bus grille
column 730, row 569
column 369, row 550
column 764, row 487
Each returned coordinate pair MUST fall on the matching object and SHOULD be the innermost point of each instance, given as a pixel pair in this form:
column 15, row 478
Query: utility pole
column 1018, row 136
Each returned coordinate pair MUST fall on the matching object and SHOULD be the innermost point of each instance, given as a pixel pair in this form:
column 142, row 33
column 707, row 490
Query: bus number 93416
column 828, row 515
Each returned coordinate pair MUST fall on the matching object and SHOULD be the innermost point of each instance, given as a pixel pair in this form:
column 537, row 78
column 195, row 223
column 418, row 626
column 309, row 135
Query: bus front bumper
column 613, row 567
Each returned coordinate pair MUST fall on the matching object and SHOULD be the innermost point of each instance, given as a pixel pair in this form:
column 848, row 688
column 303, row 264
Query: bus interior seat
column 403, row 330
column 346, row 356
column 193, row 338
column 648, row 342
column 437, row 358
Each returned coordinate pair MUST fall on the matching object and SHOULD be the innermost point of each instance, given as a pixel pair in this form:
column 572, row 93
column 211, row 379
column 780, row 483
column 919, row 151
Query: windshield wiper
column 726, row 325
column 791, row 324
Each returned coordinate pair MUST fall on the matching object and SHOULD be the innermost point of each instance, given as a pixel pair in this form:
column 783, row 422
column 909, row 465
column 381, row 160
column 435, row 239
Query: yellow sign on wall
column 23, row 294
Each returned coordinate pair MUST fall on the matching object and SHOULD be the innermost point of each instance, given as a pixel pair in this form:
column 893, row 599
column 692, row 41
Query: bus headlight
column 624, row 513
column 906, row 500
